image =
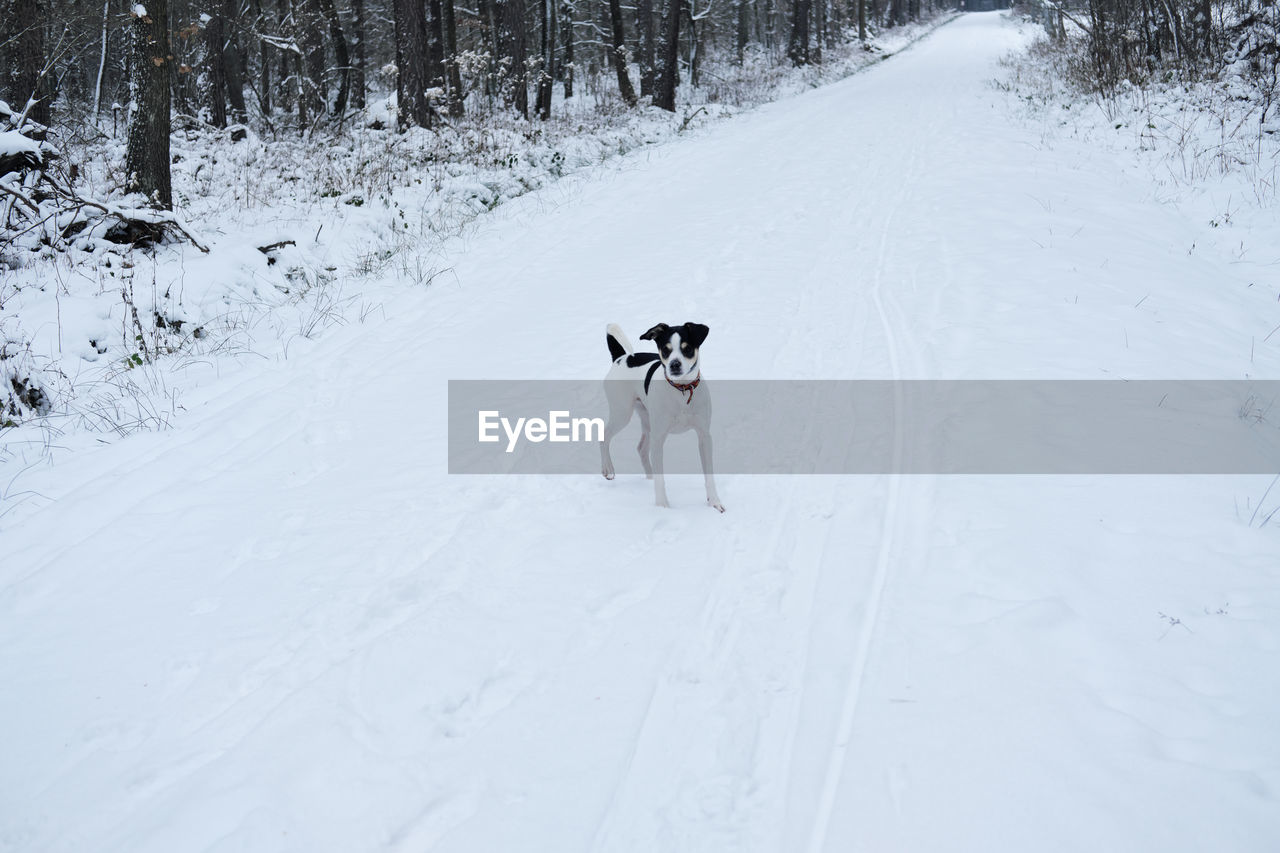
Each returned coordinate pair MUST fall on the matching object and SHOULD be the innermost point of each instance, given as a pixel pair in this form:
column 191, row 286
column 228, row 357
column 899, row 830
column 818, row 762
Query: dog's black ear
column 695, row 333
column 653, row 333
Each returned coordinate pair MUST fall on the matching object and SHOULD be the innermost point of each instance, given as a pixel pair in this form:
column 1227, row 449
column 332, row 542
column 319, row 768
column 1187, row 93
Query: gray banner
column 882, row 427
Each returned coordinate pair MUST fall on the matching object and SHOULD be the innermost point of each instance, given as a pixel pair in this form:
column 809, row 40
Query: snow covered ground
column 282, row 626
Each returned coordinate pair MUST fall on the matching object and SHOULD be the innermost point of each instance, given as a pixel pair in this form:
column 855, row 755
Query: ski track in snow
column 281, row 626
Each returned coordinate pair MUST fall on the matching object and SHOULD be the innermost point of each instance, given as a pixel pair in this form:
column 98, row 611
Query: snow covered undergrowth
column 1209, row 148
column 106, row 338
column 282, row 626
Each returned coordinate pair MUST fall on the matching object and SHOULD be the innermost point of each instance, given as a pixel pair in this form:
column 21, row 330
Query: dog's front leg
column 606, row 464
column 704, row 452
column 658, row 440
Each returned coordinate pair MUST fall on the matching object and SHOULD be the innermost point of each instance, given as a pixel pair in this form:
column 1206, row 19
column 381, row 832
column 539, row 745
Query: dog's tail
column 617, row 341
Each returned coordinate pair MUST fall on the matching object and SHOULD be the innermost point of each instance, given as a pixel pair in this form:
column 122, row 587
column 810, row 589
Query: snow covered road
column 283, row 626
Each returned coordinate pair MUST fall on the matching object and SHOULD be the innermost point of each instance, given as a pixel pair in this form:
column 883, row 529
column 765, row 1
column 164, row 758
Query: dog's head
column 678, row 347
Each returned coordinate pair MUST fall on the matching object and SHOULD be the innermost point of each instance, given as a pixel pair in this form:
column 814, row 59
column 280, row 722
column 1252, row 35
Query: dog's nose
column 674, row 367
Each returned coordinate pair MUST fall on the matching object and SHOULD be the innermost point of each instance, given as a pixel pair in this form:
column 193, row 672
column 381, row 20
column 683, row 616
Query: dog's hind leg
column 643, row 447
column 620, row 409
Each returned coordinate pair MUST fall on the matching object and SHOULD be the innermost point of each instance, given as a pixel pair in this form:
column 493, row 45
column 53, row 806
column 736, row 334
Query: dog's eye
column 666, row 348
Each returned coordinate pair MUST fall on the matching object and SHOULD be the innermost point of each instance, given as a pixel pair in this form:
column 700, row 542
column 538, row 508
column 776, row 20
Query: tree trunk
column 489, row 43
column 897, row 12
column 862, row 21
column 1204, row 25
column 514, row 52
column 819, row 30
column 358, row 82
column 214, row 39
column 648, row 52
column 27, row 79
column 233, row 65
column 264, row 62
column 435, row 44
column 566, row 65
column 545, row 79
column 798, row 44
column 284, row 93
column 411, row 65
column 303, row 93
column 694, row 41
column 664, row 95
column 147, row 154
column 618, row 54
column 741, row 10
column 102, row 58
column 341, row 53
column 313, row 92
column 453, row 75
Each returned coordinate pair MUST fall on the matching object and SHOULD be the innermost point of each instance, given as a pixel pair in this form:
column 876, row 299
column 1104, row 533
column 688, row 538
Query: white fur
column 621, row 336
column 664, row 410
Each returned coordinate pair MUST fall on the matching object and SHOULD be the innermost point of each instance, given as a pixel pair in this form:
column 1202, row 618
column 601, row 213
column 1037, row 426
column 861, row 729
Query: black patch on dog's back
column 648, row 377
column 616, row 350
column 639, row 358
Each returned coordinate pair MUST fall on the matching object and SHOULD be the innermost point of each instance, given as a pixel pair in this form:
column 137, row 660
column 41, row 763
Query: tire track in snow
column 890, row 529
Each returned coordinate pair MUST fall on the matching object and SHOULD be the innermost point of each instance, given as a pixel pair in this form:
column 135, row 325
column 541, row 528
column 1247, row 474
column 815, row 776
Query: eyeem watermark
column 559, row 426
column 887, row 427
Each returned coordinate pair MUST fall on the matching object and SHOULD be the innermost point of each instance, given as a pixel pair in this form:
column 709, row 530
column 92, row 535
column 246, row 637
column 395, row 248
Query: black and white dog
column 676, row 401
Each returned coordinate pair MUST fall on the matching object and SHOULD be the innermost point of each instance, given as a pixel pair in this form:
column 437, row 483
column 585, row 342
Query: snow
column 13, row 143
column 139, row 11
column 281, row 625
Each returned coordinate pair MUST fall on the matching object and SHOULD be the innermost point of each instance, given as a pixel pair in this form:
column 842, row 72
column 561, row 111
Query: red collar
column 684, row 389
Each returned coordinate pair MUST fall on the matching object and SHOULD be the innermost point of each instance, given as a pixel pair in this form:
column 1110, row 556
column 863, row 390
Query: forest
column 311, row 66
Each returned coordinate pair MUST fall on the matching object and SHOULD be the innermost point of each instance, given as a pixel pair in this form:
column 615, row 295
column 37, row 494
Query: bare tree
column 313, row 93
column 664, row 94
column 742, row 32
column 28, row 77
column 619, row 54
column 435, row 44
column 342, row 54
column 513, row 54
column 233, row 61
column 147, row 155
column 226, row 73
column 359, row 85
column 647, row 53
column 566, row 29
column 413, row 107
column 798, row 44
column 214, row 36
column 453, row 74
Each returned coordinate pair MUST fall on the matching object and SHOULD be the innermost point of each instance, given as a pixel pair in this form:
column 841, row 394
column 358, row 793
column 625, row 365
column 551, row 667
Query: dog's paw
column 662, row 502
column 608, row 474
column 716, row 505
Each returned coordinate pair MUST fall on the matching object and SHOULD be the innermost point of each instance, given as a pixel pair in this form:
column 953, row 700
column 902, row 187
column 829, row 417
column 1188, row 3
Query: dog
column 676, row 401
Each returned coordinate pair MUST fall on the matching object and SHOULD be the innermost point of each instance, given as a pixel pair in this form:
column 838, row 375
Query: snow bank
column 13, row 143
